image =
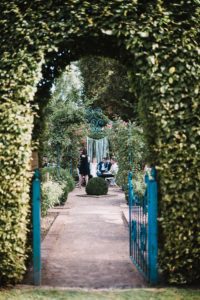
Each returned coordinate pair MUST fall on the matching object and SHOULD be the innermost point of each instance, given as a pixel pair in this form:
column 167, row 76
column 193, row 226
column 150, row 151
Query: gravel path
column 87, row 245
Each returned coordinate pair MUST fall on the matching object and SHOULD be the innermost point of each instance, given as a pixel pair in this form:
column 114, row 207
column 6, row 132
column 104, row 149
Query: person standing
column 84, row 169
column 93, row 168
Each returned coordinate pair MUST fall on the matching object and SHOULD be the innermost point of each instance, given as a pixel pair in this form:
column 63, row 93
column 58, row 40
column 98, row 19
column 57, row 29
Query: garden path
column 87, row 245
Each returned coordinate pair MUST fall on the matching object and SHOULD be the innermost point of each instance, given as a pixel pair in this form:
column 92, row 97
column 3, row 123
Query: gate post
column 130, row 203
column 152, row 192
column 36, row 200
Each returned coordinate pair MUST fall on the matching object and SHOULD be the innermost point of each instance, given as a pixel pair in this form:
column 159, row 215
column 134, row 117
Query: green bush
column 56, row 188
column 65, row 192
column 51, row 193
column 97, row 186
column 56, row 174
column 60, row 175
column 139, row 184
column 70, row 182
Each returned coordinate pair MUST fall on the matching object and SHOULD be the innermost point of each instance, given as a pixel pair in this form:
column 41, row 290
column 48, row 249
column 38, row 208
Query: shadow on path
column 87, row 245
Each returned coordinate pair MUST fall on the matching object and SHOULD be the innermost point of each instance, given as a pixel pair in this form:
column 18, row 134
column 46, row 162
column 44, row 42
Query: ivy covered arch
column 73, row 50
column 159, row 41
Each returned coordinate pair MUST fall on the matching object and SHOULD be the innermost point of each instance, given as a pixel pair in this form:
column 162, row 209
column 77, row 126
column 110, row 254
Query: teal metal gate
column 36, row 211
column 143, row 228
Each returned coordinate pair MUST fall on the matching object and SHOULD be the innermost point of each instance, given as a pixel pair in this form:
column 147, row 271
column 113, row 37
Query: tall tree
column 65, row 119
column 106, row 84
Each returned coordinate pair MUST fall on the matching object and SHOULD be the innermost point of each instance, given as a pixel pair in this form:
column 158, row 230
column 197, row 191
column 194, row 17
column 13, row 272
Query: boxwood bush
column 97, row 186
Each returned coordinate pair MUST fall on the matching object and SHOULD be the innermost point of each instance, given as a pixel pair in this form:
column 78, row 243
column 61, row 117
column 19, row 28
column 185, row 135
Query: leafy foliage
column 104, row 79
column 96, row 186
column 158, row 40
column 56, row 184
column 51, row 192
column 65, row 124
column 129, row 148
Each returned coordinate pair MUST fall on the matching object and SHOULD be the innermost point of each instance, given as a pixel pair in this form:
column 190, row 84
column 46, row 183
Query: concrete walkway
column 87, row 245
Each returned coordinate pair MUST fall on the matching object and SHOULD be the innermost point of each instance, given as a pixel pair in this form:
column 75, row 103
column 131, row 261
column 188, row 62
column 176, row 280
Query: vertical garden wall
column 158, row 41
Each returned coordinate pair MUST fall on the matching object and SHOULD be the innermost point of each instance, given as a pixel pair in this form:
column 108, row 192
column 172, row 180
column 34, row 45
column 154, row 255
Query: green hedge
column 159, row 42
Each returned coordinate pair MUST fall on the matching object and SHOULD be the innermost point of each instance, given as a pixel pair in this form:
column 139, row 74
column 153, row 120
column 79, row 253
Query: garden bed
column 46, row 222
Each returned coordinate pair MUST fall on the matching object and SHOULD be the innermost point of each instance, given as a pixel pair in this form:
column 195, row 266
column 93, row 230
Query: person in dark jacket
column 108, row 164
column 84, row 167
column 101, row 168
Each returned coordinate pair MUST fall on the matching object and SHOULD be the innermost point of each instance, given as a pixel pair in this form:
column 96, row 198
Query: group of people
column 107, row 168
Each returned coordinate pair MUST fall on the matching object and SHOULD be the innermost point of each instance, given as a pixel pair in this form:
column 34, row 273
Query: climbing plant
column 127, row 145
column 158, row 41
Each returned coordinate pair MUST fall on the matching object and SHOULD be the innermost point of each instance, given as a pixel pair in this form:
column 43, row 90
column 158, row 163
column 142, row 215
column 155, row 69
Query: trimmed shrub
column 96, row 186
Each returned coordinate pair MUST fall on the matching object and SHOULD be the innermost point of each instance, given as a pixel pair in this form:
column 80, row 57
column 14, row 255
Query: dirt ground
column 47, row 222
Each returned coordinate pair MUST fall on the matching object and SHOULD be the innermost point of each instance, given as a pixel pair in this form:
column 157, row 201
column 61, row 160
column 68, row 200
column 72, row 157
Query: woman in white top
column 93, row 168
column 114, row 167
column 113, row 170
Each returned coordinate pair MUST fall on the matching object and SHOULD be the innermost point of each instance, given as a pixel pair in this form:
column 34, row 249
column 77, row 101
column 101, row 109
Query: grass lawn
column 133, row 294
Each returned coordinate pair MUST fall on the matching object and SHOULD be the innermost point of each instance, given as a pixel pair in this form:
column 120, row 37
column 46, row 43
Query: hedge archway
column 159, row 41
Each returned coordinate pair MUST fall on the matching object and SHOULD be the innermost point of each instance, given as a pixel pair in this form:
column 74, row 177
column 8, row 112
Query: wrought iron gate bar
column 143, row 228
column 36, row 203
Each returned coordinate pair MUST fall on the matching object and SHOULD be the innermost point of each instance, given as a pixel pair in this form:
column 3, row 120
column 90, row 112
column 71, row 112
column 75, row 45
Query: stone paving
column 87, row 245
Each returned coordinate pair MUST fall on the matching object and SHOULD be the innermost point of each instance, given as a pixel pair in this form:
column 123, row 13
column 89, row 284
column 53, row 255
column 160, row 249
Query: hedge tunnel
column 158, row 40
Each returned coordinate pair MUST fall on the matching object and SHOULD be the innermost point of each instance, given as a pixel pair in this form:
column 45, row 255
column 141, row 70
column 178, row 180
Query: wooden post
column 34, row 163
column 36, row 206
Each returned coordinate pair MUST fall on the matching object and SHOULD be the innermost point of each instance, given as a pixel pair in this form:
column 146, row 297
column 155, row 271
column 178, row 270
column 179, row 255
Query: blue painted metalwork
column 36, row 204
column 58, row 151
column 143, row 227
column 71, row 167
column 71, row 163
column 152, row 195
column 95, row 118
